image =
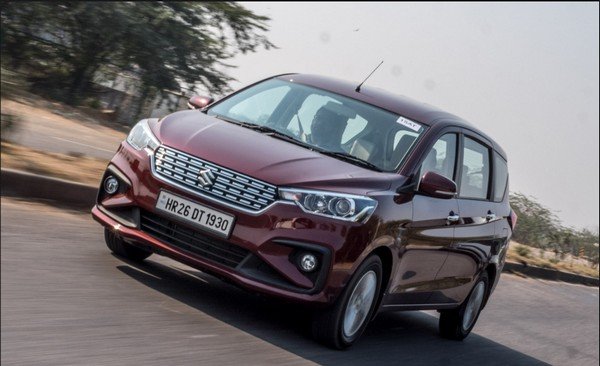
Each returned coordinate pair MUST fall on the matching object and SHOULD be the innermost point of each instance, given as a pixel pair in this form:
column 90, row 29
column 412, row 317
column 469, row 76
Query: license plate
column 196, row 214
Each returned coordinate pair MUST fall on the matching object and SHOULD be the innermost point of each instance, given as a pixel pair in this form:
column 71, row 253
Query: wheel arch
column 491, row 272
column 387, row 263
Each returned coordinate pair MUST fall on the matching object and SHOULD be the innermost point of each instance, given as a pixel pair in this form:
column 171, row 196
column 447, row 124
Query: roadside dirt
column 81, row 169
column 54, row 127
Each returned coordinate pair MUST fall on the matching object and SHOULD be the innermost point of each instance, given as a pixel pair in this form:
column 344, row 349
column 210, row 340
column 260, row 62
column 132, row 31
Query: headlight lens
column 142, row 138
column 336, row 205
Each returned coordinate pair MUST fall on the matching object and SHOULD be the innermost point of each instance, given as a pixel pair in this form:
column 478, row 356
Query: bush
column 93, row 103
column 554, row 260
column 523, row 251
column 8, row 126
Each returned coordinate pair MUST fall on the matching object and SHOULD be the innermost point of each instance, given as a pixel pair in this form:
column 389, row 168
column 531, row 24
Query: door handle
column 490, row 216
column 453, row 217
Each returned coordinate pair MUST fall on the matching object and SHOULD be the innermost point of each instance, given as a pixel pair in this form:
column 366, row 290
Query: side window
column 500, row 177
column 441, row 158
column 475, row 176
column 260, row 106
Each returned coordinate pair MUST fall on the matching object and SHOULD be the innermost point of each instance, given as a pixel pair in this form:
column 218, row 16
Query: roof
column 404, row 106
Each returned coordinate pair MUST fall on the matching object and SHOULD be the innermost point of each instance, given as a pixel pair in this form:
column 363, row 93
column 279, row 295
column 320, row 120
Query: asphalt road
column 67, row 301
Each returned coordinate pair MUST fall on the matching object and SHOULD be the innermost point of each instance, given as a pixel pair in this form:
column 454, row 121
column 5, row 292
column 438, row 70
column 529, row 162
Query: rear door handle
column 490, row 216
column 453, row 217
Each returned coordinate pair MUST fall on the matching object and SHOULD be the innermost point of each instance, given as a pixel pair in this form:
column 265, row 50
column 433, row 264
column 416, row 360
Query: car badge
column 206, row 178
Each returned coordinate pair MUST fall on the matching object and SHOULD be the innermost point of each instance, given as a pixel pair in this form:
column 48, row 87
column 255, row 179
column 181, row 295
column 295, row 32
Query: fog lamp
column 308, row 262
column 111, row 184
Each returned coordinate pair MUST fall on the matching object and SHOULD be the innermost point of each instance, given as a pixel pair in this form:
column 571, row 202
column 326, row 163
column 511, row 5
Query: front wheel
column 457, row 323
column 123, row 249
column 342, row 324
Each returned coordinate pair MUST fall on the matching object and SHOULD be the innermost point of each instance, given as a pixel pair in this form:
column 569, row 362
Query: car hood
column 264, row 157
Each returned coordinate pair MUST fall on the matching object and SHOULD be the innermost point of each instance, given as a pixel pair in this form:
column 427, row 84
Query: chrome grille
column 227, row 185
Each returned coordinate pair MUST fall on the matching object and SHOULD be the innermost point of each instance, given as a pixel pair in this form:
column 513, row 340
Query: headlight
column 336, row 205
column 142, row 138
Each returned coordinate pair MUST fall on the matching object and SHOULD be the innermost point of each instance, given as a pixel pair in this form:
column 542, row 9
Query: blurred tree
column 537, row 226
column 170, row 45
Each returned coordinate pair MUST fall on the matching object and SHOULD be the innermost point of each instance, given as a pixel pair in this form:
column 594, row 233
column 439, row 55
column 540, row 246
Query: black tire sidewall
column 123, row 249
column 464, row 333
column 372, row 263
column 450, row 324
column 459, row 332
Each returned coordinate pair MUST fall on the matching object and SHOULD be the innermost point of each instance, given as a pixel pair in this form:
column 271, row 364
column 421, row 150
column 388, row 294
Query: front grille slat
column 171, row 170
column 232, row 181
column 228, row 186
column 218, row 190
column 191, row 240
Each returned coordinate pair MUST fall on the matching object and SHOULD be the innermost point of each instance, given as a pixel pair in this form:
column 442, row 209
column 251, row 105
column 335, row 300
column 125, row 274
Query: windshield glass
column 324, row 120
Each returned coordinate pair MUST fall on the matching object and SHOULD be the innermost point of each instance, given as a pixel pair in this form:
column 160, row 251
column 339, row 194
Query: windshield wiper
column 344, row 156
column 230, row 120
column 252, row 126
column 267, row 130
column 351, row 158
column 283, row 136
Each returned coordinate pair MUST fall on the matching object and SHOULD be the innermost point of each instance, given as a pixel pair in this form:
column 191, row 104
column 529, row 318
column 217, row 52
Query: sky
column 524, row 73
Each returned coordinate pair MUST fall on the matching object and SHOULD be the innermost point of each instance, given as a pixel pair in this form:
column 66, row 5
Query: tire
column 123, row 249
column 329, row 326
column 457, row 324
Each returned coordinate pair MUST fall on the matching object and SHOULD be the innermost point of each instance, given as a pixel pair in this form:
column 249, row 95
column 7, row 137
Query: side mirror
column 435, row 185
column 198, row 102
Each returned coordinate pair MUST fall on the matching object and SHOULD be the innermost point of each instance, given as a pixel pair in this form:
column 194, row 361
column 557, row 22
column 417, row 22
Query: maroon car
column 307, row 188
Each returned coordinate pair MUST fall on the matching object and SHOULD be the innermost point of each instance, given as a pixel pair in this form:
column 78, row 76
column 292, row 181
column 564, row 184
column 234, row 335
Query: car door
column 474, row 234
column 430, row 233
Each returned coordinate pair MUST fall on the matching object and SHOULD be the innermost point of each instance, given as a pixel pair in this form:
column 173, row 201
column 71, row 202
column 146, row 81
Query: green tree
column 170, row 45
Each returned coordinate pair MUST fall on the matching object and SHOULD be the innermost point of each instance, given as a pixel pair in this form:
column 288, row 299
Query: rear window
column 500, row 177
column 475, row 170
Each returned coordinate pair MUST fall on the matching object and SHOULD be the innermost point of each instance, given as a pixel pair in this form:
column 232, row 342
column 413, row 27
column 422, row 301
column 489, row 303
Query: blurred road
column 65, row 133
column 67, row 300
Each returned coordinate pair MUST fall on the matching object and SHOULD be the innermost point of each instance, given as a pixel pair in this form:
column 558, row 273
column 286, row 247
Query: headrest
column 340, row 109
column 405, row 143
column 431, row 160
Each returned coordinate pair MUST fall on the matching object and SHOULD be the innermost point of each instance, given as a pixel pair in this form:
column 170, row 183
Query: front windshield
column 326, row 121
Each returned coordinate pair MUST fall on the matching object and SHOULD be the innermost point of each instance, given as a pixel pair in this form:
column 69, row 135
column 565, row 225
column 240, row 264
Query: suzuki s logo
column 206, row 178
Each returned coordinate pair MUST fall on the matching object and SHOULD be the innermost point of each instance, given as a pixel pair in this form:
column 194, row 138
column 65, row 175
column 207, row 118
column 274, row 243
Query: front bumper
column 269, row 242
